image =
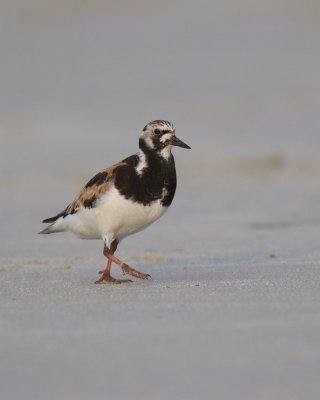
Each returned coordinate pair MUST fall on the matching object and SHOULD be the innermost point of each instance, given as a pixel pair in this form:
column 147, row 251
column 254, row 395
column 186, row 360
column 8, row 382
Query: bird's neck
column 163, row 155
column 156, row 161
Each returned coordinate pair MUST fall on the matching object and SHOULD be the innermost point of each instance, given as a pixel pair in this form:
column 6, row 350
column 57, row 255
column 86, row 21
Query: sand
column 232, row 309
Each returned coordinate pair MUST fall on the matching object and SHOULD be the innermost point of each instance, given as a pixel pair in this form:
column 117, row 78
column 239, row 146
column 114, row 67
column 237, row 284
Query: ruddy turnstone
column 124, row 198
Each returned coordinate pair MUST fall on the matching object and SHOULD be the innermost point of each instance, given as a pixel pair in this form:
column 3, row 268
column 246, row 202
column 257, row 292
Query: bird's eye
column 157, row 131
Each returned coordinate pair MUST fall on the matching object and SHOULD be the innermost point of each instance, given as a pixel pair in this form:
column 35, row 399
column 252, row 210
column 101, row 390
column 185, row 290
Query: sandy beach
column 232, row 309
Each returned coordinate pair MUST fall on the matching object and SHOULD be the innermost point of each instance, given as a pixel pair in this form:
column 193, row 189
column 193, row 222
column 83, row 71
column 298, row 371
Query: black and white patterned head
column 159, row 136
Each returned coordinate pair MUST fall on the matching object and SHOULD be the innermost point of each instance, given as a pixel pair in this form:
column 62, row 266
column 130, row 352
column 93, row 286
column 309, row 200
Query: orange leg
column 126, row 269
column 105, row 274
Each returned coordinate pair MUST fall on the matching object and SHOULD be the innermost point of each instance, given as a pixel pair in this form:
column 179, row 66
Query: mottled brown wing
column 87, row 196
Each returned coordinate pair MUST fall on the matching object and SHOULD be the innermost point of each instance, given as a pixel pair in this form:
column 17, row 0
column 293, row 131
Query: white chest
column 121, row 217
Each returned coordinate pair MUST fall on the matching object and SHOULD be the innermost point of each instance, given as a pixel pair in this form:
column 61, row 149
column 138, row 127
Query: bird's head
column 159, row 136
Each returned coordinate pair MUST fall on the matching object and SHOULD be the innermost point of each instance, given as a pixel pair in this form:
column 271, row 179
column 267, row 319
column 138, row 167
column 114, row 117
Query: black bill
column 177, row 142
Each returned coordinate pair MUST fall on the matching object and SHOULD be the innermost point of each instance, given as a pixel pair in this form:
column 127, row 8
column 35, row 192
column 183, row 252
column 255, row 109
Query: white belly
column 113, row 217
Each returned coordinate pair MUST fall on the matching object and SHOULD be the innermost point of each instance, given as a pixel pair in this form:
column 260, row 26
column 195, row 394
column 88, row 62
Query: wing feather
column 91, row 192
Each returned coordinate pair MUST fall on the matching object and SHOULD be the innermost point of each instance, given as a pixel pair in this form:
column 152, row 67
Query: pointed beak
column 177, row 142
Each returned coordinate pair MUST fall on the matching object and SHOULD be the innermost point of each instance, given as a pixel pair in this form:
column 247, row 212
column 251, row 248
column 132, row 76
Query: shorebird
column 124, row 198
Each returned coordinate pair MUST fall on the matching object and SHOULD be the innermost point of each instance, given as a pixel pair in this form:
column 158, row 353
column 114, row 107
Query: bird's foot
column 107, row 278
column 126, row 269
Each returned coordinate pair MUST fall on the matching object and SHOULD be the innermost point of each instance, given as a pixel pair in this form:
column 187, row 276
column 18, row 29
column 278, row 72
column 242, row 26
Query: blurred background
column 240, row 80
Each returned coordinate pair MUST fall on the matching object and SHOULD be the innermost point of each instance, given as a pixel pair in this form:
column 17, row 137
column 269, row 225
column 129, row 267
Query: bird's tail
column 47, row 230
column 53, row 228
column 55, row 223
